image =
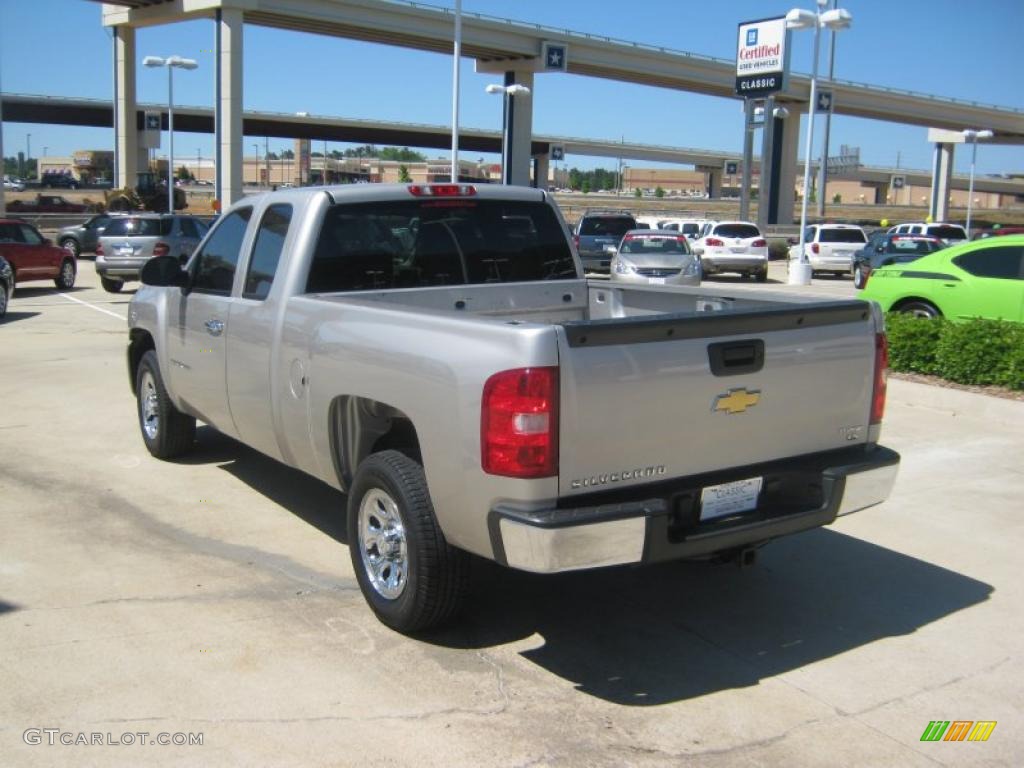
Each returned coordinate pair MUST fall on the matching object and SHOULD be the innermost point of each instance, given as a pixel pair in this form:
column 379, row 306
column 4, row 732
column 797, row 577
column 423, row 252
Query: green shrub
column 913, row 342
column 778, row 249
column 982, row 352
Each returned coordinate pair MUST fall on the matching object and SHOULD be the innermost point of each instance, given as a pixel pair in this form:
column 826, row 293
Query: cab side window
column 266, row 251
column 215, row 264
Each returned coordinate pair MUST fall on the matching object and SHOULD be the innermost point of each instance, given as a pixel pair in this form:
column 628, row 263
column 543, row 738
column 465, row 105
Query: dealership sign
column 762, row 57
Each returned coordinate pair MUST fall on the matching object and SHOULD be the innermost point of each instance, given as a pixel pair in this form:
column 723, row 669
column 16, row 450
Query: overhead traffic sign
column 762, row 57
column 557, row 153
column 150, row 136
column 899, row 182
column 554, row 56
column 731, row 168
column 824, row 102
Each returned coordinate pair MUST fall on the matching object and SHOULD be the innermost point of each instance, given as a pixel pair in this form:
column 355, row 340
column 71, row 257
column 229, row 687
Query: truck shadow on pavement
column 658, row 634
column 654, row 635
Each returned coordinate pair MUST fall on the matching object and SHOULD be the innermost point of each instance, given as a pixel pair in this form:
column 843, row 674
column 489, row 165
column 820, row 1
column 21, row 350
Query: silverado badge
column 736, row 400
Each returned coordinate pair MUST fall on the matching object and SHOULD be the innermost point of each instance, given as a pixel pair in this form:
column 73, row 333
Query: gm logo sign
column 752, row 36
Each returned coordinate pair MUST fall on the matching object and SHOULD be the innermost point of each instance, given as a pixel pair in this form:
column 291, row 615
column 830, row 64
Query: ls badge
column 736, row 400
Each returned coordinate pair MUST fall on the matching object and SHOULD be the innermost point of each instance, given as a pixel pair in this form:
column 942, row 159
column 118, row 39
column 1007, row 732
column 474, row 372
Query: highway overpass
column 29, row 108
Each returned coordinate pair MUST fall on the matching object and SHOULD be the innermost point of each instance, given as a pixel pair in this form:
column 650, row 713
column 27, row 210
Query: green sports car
column 983, row 278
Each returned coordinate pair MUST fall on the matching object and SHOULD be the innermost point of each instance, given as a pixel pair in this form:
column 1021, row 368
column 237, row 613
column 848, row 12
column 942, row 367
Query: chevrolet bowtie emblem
column 736, row 400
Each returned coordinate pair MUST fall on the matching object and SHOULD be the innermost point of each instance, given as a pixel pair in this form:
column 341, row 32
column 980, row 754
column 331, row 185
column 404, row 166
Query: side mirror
column 164, row 271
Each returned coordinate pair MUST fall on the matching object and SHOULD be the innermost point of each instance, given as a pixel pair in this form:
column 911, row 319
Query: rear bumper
column 127, row 269
column 662, row 521
column 596, row 262
column 720, row 262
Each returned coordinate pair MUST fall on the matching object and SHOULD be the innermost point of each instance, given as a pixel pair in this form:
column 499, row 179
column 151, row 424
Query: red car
column 33, row 257
column 46, row 204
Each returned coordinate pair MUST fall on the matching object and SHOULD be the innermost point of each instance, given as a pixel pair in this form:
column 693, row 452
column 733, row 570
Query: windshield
column 612, row 226
column 737, row 230
column 421, row 243
column 654, row 244
column 138, row 227
column 842, row 236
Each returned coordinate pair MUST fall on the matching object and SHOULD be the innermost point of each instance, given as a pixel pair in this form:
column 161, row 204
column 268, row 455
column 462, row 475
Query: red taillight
column 161, row 249
column 519, row 423
column 442, row 190
column 815, row 248
column 714, row 241
column 99, row 249
column 881, row 375
column 759, row 244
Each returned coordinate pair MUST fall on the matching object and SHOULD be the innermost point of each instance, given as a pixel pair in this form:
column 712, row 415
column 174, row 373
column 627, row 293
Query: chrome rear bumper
column 799, row 494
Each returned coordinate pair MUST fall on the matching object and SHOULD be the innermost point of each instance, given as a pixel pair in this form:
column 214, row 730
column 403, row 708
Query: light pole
column 172, row 63
column 256, row 147
column 28, row 153
column 972, row 136
column 507, row 92
column 798, row 18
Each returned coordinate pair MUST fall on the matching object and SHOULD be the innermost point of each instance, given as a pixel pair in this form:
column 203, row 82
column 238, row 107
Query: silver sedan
column 655, row 257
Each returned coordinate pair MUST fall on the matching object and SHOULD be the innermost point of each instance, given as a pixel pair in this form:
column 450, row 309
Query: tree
column 184, row 174
column 403, row 174
column 585, row 186
column 659, row 192
column 637, row 192
column 404, row 155
column 837, row 199
column 288, row 154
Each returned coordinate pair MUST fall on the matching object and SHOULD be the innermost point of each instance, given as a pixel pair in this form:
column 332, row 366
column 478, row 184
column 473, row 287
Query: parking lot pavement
column 214, row 596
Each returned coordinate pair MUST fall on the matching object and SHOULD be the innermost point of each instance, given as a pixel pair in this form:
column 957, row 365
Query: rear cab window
column 610, row 226
column 423, row 243
column 266, row 251
column 139, row 227
column 742, row 231
column 947, row 232
column 842, row 236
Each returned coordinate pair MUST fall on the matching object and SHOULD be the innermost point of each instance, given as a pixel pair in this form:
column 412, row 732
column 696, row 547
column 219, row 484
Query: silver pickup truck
column 434, row 352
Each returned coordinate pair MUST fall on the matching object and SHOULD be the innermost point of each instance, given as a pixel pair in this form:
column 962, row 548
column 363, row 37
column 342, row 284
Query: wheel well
column 360, row 426
column 898, row 305
column 140, row 342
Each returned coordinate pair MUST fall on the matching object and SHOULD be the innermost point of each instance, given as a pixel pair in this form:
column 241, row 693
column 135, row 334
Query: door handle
column 214, row 327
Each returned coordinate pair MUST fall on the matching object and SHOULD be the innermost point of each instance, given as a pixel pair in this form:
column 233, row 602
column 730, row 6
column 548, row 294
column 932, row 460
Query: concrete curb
column 956, row 401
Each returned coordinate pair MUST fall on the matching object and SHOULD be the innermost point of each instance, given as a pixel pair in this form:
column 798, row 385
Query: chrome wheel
column 382, row 544
column 150, row 406
column 67, row 274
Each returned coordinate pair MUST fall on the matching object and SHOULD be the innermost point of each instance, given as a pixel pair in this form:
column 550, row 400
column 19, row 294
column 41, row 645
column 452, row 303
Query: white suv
column 830, row 247
column 733, row 246
column 950, row 233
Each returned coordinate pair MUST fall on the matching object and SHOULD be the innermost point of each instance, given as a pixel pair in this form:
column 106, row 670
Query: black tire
column 920, row 308
column 65, row 281
column 3, row 300
column 761, row 277
column 433, row 586
column 172, row 432
column 111, row 286
column 858, row 279
column 71, row 245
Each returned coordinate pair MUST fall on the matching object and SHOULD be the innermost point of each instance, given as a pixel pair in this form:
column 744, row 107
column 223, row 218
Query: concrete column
column 786, row 138
column 126, row 130
column 520, row 125
column 228, row 106
column 942, row 177
column 540, row 171
column 714, row 185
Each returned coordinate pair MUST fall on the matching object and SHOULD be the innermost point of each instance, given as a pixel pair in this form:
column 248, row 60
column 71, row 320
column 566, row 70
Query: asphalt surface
column 214, row 596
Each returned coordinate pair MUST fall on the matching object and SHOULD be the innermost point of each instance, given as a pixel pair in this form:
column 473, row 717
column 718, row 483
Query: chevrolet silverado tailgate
column 660, row 396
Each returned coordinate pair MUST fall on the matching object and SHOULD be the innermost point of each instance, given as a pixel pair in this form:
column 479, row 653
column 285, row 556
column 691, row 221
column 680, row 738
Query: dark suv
column 58, row 181
column 597, row 237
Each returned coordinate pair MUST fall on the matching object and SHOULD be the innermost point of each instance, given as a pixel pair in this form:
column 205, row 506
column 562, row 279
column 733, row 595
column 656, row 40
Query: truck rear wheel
column 166, row 431
column 408, row 573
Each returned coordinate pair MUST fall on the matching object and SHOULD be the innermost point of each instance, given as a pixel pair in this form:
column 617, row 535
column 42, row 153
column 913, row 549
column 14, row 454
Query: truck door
column 197, row 327
column 251, row 345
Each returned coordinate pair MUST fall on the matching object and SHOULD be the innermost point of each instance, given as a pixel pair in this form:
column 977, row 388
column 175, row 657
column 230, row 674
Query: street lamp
column 835, row 19
column 172, row 63
column 508, row 92
column 256, row 147
column 28, row 154
column 972, row 136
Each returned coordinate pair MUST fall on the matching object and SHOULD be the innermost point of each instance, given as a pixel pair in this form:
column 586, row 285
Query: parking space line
column 92, row 306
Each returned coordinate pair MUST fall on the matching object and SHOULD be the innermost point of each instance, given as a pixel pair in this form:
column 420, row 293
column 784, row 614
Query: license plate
column 125, row 251
column 657, row 280
column 729, row 498
column 738, row 248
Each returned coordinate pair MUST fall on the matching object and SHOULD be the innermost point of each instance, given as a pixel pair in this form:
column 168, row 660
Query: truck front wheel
column 408, row 573
column 166, row 431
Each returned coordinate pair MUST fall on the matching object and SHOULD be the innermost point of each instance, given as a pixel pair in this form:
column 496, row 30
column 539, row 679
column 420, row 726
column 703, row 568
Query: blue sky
column 945, row 47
